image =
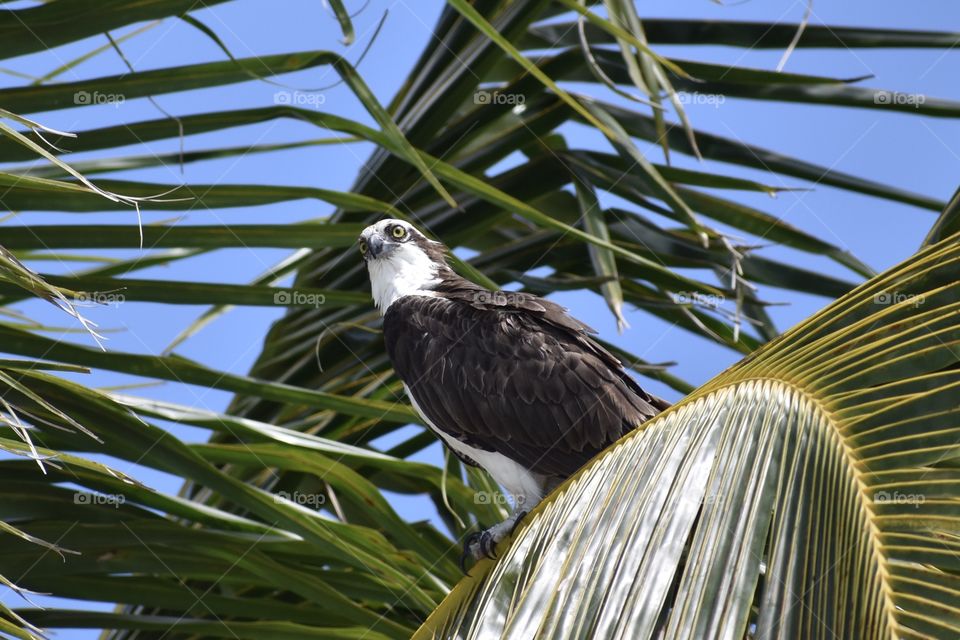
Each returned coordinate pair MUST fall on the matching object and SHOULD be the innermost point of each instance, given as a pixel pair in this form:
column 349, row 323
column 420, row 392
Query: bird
column 508, row 381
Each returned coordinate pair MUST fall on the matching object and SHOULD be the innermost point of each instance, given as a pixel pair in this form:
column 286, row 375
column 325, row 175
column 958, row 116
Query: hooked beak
column 375, row 246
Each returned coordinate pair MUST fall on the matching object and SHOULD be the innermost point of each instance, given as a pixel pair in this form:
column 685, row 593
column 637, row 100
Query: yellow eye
column 398, row 232
column 363, row 247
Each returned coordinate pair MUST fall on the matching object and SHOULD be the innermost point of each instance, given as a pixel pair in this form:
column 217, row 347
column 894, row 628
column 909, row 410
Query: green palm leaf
column 289, row 524
column 810, row 491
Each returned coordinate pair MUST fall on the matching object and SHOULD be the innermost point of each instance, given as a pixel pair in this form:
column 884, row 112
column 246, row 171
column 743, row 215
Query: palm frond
column 289, row 524
column 808, row 492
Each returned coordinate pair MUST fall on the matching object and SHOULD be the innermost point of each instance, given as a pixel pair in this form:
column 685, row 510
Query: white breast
column 405, row 271
column 516, row 479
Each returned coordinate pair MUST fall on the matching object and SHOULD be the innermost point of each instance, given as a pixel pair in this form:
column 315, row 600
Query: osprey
column 508, row 381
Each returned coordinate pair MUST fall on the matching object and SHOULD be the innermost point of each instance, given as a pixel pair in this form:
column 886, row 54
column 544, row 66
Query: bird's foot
column 483, row 544
column 479, row 545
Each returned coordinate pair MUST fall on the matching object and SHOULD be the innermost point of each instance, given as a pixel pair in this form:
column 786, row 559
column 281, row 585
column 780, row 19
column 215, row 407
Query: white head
column 401, row 261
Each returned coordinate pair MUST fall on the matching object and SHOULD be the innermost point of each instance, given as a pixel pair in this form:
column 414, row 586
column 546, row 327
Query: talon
column 479, row 545
column 463, row 562
column 488, row 545
column 516, row 523
column 471, row 541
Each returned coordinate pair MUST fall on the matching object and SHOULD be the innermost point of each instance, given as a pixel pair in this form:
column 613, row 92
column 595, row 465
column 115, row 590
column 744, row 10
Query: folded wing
column 515, row 374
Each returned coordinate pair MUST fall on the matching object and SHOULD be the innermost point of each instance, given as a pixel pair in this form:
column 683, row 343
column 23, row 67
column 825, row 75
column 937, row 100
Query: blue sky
column 919, row 154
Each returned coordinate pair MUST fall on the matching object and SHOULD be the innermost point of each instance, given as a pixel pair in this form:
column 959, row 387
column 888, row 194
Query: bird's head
column 401, row 261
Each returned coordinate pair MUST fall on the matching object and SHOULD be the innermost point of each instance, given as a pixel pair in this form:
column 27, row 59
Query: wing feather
column 522, row 378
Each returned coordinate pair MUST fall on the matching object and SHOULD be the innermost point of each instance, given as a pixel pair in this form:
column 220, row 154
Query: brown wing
column 516, row 375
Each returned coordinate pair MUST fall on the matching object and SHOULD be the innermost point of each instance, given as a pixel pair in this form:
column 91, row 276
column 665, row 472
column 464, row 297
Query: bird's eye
column 398, row 232
column 363, row 247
